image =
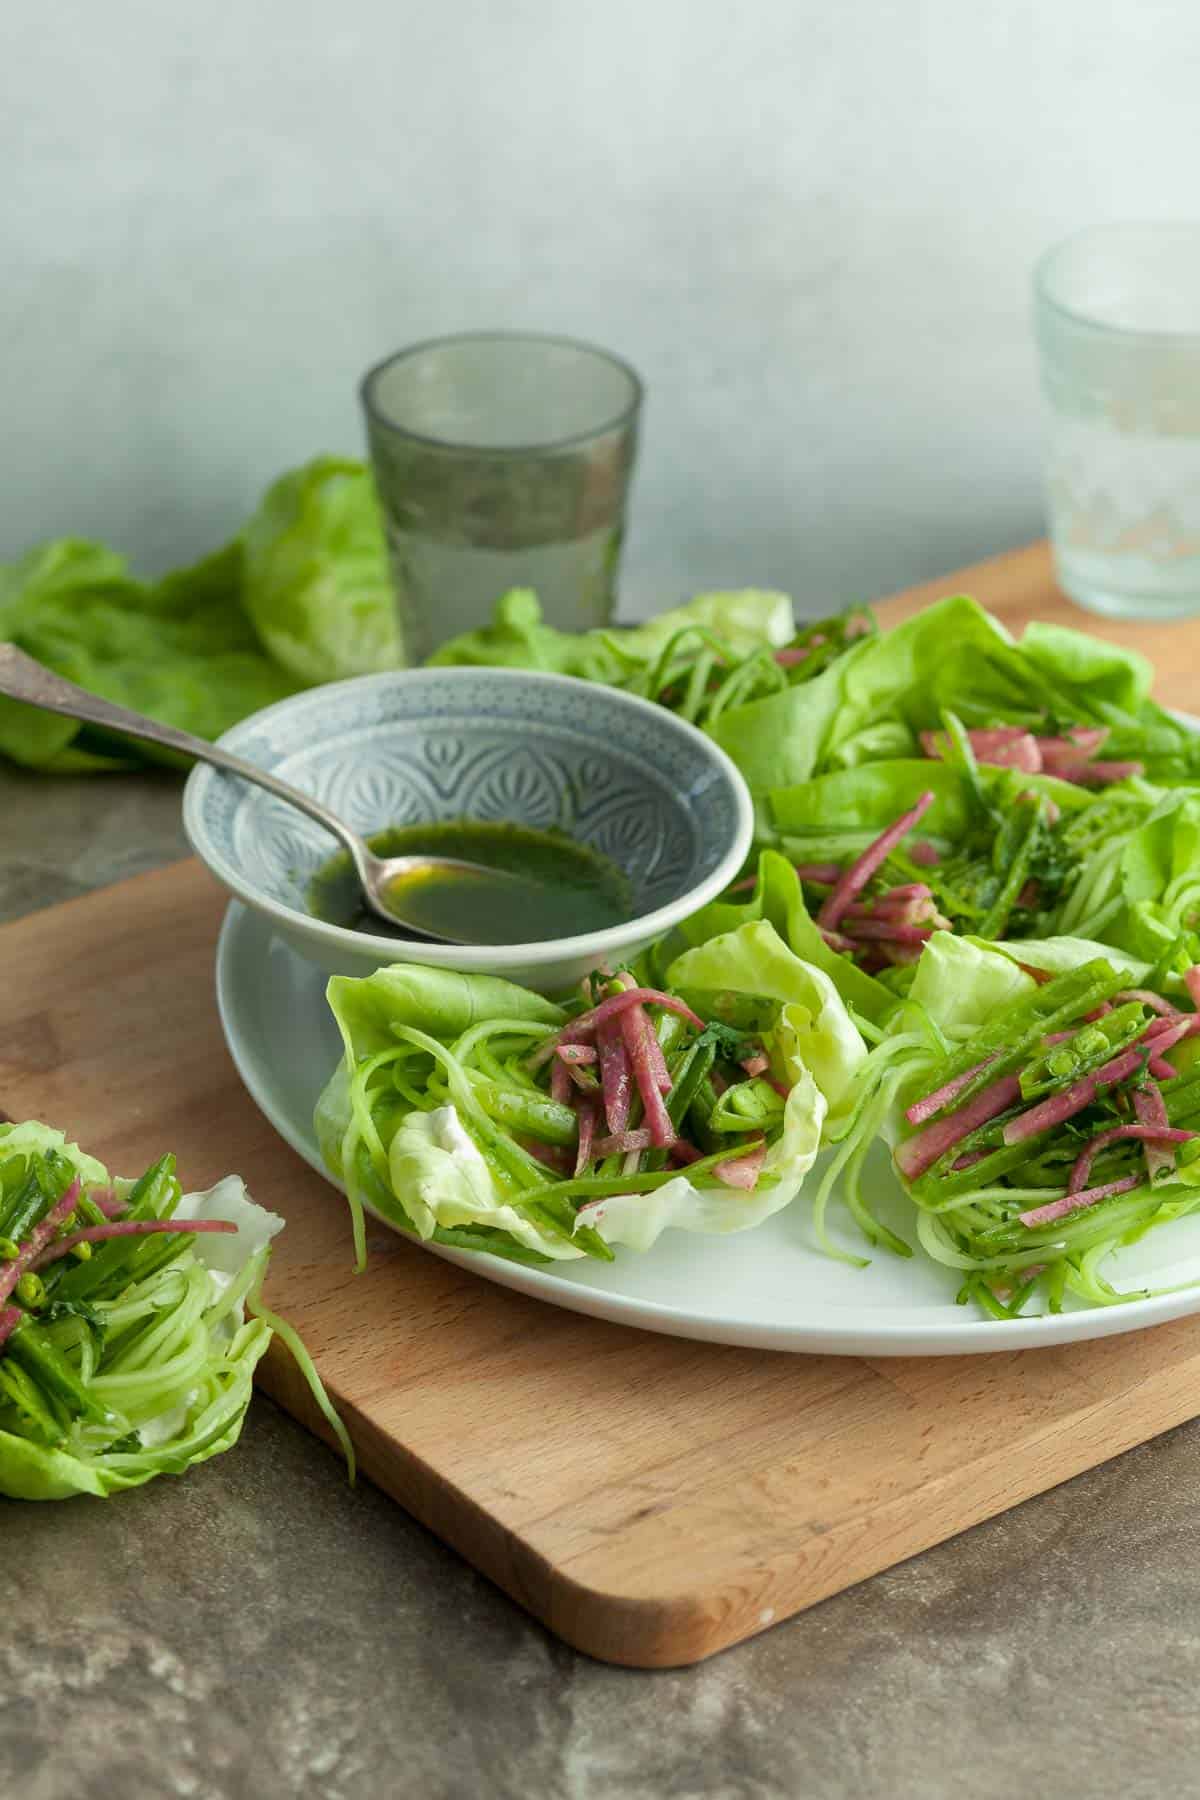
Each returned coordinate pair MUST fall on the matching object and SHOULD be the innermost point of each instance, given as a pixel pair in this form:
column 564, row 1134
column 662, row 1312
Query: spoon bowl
column 385, row 879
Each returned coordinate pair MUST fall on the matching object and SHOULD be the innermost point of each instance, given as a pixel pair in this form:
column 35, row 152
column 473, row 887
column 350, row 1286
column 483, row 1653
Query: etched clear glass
column 502, row 460
column 1117, row 314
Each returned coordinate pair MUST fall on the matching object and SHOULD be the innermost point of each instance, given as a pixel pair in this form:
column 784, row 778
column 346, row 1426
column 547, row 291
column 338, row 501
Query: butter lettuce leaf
column 181, row 650
column 301, row 596
column 744, row 619
column 960, row 982
column 443, row 1002
column 874, row 701
column 750, row 978
column 317, row 587
column 779, row 900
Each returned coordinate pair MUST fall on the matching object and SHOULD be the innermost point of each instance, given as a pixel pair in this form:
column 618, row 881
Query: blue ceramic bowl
column 618, row 773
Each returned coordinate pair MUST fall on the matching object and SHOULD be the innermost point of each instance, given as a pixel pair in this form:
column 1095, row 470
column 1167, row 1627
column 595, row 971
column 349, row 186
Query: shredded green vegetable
column 136, row 1361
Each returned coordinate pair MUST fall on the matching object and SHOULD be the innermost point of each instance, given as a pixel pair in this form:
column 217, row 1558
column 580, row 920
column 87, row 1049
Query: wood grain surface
column 649, row 1499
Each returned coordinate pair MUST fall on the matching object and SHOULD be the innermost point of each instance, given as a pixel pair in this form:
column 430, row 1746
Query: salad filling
column 1039, row 1125
column 131, row 1320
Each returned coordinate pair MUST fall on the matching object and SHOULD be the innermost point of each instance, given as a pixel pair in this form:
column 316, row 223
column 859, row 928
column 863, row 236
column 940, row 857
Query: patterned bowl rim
column 477, row 958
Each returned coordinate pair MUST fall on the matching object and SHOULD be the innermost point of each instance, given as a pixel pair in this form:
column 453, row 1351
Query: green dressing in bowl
column 566, row 888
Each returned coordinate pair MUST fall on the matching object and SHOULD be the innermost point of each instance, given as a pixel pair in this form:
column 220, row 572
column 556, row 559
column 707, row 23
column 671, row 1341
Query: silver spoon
column 22, row 678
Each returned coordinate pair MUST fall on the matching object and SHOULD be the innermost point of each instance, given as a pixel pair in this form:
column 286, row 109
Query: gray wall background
column 809, row 223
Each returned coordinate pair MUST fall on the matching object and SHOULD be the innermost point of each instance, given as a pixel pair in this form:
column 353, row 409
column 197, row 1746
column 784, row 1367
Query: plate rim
column 970, row 1336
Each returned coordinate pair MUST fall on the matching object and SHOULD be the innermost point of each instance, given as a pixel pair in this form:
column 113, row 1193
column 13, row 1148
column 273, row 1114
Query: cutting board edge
column 679, row 1629
column 633, row 1631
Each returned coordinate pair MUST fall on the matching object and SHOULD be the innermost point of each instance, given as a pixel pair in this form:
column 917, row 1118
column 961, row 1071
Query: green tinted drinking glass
column 502, row 460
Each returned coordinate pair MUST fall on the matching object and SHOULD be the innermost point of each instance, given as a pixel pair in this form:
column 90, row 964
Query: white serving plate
column 770, row 1288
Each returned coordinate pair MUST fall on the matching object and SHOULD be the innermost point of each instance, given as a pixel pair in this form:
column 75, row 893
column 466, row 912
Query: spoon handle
column 21, row 678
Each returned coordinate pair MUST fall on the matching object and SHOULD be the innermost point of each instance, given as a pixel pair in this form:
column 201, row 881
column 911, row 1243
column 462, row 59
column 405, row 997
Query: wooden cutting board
column 651, row 1500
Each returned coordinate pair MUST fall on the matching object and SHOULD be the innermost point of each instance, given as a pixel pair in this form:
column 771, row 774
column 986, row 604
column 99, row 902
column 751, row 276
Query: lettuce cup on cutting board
column 131, row 1320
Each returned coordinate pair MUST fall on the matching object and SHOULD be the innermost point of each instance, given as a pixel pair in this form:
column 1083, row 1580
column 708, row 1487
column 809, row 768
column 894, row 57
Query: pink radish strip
column 621, row 1143
column 824, row 874
column 1062, row 754
column 587, row 1134
column 636, row 1029
column 576, row 1053
column 1011, row 750
column 928, row 1104
column 897, row 954
column 39, row 1237
column 891, row 912
column 560, row 1082
column 99, row 1234
column 1192, row 982
column 742, row 1171
column 919, row 1153
column 106, row 1199
column 836, row 940
column 1070, row 1203
column 756, row 1065
column 1097, row 1012
column 1159, row 1134
column 1155, row 1002
column 1101, row 774
column 1161, row 1069
column 658, row 1062
column 968, row 1161
column 1005, row 747
column 861, row 870
column 1060, row 1107
column 934, row 742
column 781, row 1087
column 896, row 912
column 886, row 931
column 1028, row 896
column 581, row 1029
column 787, row 659
column 567, row 1038
column 10, row 1318
column 924, row 854
column 615, row 1077
column 910, row 890
column 683, row 1152
column 748, row 881
column 1162, row 1033
column 549, row 1155
column 1151, row 1109
column 582, row 1078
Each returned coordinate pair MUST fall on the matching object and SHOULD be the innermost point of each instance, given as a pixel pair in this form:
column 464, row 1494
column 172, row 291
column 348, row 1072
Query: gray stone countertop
column 259, row 1630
